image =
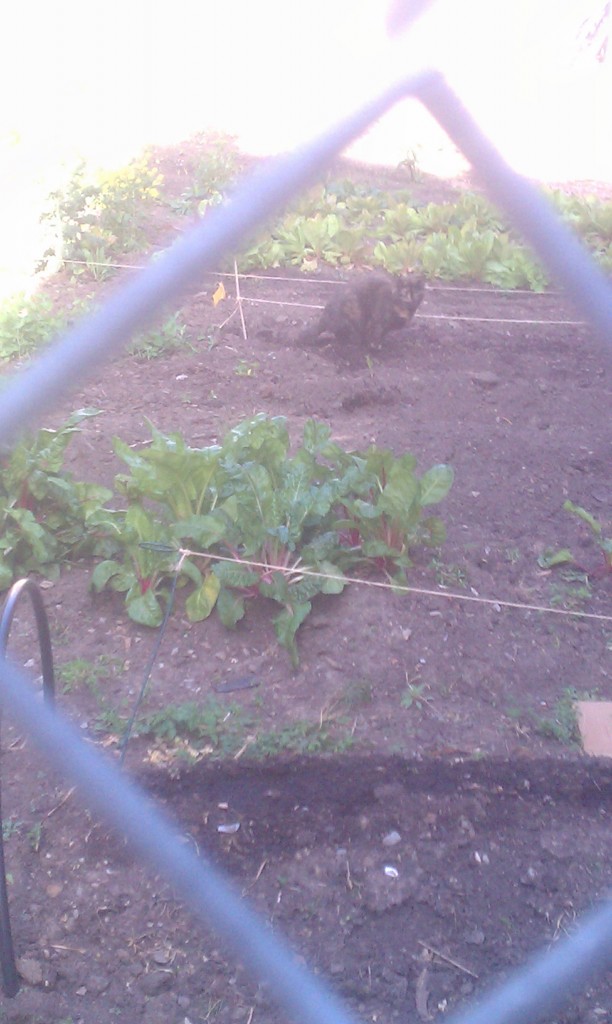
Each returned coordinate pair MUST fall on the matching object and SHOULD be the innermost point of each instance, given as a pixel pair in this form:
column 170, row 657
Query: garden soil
column 424, row 819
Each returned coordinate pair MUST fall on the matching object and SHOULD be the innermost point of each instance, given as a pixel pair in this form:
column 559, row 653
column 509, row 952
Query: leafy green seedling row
column 305, row 518
column 95, row 218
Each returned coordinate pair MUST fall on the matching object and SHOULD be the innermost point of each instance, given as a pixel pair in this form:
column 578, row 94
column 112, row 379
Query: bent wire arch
column 10, row 979
column 537, row 989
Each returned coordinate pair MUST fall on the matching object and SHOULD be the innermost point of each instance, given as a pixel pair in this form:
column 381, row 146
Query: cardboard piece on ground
column 595, row 724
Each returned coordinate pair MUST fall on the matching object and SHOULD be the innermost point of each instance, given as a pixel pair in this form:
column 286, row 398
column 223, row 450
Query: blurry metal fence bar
column 535, row 990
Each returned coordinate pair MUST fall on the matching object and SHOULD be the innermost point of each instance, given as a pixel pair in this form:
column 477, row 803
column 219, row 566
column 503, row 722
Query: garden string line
column 306, row 305
column 298, row 571
column 492, row 290
column 436, row 316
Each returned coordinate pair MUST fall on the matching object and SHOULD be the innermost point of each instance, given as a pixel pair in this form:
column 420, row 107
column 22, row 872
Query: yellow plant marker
column 219, row 294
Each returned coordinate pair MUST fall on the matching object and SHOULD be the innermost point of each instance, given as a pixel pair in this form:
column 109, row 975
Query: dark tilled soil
column 410, row 886
column 503, row 825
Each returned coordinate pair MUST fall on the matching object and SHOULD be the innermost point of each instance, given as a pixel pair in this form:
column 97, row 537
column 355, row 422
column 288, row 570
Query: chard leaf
column 400, row 496
column 232, row 574
column 435, row 484
column 201, row 602
column 549, row 558
column 331, row 586
column 287, row 624
column 305, row 589
column 230, row 608
column 191, row 571
column 205, row 531
column 144, row 608
column 103, row 572
column 365, row 510
column 377, row 549
column 582, row 513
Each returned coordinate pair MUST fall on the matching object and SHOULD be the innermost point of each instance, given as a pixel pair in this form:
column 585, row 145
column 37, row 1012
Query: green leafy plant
column 599, row 531
column 145, row 547
column 155, row 342
column 26, row 324
column 338, row 224
column 221, row 730
column 383, row 510
column 44, row 512
column 596, row 528
column 213, row 725
column 35, row 836
column 100, row 215
column 257, row 521
column 81, row 672
column 320, row 736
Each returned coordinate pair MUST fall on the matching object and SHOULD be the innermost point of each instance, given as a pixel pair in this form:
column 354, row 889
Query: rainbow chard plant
column 381, row 517
column 250, row 519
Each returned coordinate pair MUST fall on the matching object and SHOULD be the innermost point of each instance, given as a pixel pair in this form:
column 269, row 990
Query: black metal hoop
column 8, row 969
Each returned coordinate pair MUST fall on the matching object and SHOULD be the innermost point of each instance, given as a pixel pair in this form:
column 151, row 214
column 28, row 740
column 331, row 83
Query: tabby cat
column 365, row 312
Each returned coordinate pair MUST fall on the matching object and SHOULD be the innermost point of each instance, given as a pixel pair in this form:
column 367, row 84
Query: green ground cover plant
column 44, row 511
column 27, row 322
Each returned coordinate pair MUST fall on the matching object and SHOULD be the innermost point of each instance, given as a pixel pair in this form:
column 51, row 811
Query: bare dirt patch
column 408, row 885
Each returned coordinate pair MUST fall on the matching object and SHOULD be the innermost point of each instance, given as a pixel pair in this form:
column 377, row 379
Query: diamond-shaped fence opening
column 544, row 984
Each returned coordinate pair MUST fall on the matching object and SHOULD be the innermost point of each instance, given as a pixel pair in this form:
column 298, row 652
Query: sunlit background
column 103, row 80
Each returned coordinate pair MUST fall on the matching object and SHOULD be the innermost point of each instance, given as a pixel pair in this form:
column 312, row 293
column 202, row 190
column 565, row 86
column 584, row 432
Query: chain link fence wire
column 537, row 989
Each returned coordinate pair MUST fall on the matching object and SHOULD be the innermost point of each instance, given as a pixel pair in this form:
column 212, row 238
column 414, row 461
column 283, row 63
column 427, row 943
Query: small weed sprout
column 449, row 577
column 415, row 696
column 245, row 369
column 357, row 693
column 81, row 672
column 11, row 827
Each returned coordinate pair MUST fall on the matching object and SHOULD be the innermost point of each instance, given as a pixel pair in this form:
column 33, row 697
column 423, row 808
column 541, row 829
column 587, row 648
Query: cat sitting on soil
column 366, row 311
